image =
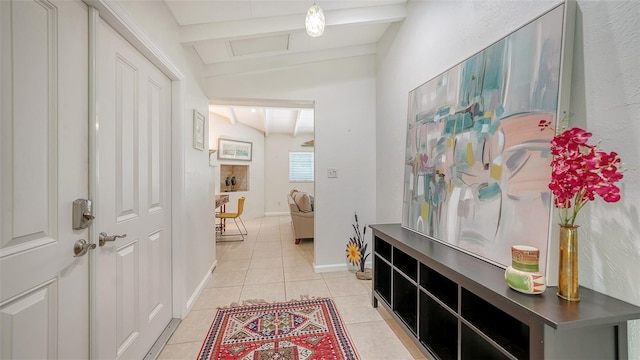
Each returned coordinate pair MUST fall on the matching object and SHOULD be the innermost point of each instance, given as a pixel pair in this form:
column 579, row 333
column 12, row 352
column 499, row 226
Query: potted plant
column 357, row 251
column 579, row 172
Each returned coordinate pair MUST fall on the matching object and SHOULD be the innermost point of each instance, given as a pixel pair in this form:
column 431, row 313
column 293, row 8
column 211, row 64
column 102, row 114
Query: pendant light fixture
column 314, row 23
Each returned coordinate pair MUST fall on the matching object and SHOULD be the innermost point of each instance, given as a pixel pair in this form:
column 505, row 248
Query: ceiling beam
column 190, row 34
column 232, row 116
column 267, row 114
column 296, row 126
column 284, row 61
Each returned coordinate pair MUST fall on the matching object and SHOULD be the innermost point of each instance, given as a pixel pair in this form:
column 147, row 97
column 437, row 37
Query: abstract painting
column 476, row 163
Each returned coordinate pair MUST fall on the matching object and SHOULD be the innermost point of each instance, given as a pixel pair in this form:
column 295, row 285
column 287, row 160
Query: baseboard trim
column 329, row 268
column 276, row 213
column 336, row 267
column 196, row 294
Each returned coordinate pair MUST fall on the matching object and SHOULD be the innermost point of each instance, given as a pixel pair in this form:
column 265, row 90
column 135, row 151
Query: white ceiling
column 269, row 120
column 239, row 36
column 245, row 36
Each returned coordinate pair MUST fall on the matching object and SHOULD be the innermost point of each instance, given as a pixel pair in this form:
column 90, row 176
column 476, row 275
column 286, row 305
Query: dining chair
column 235, row 216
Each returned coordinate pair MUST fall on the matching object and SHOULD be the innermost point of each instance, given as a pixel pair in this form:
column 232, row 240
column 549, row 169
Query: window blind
column 301, row 166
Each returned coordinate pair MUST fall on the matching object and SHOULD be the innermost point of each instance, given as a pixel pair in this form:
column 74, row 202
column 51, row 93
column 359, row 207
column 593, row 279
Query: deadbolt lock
column 82, row 214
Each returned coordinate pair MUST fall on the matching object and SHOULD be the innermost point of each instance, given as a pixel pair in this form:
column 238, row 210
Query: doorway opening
column 274, row 128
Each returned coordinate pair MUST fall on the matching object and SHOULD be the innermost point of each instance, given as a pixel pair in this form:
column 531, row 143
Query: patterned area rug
column 305, row 330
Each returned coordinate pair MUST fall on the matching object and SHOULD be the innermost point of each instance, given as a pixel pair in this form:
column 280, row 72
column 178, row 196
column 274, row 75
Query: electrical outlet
column 332, row 173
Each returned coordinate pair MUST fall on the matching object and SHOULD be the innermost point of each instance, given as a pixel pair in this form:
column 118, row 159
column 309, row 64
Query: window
column 301, row 166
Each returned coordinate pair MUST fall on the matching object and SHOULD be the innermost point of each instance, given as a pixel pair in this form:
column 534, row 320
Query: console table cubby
column 456, row 306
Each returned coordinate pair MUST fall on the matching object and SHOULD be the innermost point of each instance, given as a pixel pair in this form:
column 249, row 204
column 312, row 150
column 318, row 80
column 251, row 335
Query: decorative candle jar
column 524, row 274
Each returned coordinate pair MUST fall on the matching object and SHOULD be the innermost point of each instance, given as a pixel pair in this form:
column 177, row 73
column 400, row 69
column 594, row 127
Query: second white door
column 133, row 272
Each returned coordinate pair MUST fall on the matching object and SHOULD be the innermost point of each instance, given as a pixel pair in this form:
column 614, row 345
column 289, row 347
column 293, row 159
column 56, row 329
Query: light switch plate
column 332, row 173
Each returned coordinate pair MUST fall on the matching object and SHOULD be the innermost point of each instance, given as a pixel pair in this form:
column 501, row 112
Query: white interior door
column 44, row 289
column 133, row 273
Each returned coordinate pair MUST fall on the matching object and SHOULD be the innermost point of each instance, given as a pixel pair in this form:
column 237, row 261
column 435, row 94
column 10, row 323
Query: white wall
column 219, row 127
column 605, row 99
column 277, row 185
column 344, row 95
column 197, row 242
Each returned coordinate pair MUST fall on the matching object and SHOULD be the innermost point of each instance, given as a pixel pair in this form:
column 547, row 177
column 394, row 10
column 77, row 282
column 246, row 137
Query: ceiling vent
column 259, row 45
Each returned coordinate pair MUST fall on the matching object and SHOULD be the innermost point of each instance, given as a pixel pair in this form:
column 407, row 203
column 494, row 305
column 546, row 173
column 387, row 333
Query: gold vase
column 568, row 263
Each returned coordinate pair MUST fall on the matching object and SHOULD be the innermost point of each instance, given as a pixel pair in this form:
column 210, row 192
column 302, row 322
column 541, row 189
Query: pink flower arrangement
column 579, row 172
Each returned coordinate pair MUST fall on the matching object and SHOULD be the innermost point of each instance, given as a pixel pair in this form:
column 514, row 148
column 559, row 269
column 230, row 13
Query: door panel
column 128, row 300
column 29, row 324
column 34, row 176
column 155, row 154
column 126, row 137
column 134, row 272
column 29, row 137
column 44, row 302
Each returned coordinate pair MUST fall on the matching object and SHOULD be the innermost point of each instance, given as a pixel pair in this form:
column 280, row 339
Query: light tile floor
column 269, row 266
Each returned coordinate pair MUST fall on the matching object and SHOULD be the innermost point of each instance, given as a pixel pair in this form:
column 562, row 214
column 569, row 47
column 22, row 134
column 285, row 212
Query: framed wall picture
column 198, row 130
column 234, row 150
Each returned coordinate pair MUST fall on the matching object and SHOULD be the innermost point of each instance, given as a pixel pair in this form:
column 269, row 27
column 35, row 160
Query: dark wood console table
column 456, row 306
